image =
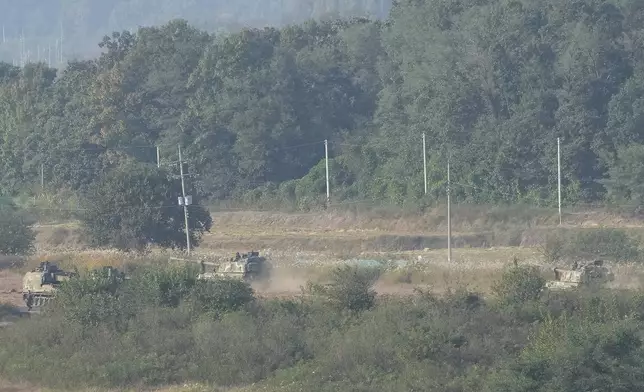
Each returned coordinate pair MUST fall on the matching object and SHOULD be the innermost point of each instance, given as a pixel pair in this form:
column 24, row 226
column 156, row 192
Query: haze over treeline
column 493, row 83
column 82, row 23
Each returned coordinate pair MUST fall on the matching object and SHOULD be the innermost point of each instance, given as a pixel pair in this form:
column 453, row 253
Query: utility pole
column 425, row 162
column 559, row 178
column 159, row 157
column 22, row 48
column 61, row 42
column 326, row 160
column 42, row 178
column 4, row 38
column 449, row 214
column 184, row 201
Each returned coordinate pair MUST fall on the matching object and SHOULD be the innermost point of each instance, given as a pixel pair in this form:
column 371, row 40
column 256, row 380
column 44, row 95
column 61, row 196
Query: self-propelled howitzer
column 248, row 267
column 39, row 286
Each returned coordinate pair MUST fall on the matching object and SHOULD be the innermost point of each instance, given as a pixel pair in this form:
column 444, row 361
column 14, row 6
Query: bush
column 611, row 244
column 350, row 288
column 518, row 285
column 457, row 342
column 165, row 287
column 576, row 355
column 220, row 296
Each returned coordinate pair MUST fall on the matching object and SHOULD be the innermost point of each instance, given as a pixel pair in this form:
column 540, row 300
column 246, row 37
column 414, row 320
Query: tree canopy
column 132, row 207
column 492, row 83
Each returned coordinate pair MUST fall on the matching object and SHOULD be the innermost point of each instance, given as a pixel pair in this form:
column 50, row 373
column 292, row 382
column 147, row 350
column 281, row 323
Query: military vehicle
column 248, row 267
column 39, row 285
column 591, row 274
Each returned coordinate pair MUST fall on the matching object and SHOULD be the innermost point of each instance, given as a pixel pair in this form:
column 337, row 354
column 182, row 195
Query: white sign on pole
column 185, row 201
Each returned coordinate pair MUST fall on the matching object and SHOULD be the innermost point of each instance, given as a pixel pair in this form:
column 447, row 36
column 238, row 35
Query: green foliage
column 612, row 244
column 16, row 235
column 349, row 288
column 626, row 175
column 220, row 296
column 502, row 81
column 157, row 329
column 91, row 301
column 164, row 287
column 519, row 284
column 606, row 243
column 135, row 206
column 572, row 355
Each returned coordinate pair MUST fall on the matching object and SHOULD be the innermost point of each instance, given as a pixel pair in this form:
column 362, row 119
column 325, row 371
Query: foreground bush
column 519, row 284
column 349, row 288
column 178, row 330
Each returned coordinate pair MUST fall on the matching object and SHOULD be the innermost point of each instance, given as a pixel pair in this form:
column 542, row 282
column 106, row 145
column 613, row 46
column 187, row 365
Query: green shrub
column 349, row 288
column 614, row 244
column 92, row 302
column 220, row 296
column 611, row 244
column 575, row 355
column 165, row 334
column 165, row 286
column 519, row 284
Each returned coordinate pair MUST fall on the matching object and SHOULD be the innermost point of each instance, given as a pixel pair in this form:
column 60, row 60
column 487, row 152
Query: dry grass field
column 304, row 246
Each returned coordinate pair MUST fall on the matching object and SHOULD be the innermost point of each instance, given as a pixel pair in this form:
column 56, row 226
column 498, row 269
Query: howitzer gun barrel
column 202, row 262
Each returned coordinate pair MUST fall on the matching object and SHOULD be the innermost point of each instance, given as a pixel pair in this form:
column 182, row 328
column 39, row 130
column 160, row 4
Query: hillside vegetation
column 492, row 83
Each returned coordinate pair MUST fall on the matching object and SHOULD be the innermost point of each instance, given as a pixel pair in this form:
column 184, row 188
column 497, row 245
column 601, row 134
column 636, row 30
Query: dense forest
column 492, row 83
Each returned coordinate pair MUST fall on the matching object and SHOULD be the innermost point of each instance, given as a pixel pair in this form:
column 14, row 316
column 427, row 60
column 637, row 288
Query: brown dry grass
column 465, row 218
column 305, row 246
column 354, row 231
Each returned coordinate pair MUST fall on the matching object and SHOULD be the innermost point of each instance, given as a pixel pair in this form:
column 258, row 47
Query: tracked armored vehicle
column 591, row 275
column 39, row 286
column 248, row 267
